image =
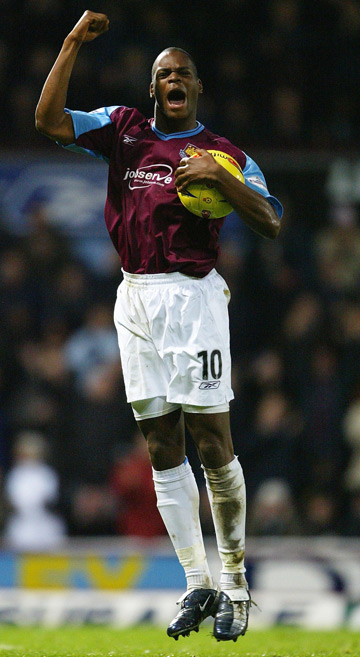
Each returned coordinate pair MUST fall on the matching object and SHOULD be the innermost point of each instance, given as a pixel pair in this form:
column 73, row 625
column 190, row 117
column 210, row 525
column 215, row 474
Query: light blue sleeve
column 84, row 122
column 255, row 179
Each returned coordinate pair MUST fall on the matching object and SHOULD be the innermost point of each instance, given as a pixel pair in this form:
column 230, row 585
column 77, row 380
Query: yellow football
column 205, row 200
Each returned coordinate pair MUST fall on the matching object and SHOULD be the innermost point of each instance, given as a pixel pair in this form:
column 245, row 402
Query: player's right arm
column 50, row 116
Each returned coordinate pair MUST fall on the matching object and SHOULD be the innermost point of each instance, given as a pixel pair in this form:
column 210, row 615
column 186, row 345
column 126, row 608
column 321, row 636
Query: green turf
column 153, row 642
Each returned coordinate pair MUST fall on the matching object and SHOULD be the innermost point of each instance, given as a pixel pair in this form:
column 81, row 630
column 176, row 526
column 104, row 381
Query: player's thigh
column 165, row 436
column 212, row 435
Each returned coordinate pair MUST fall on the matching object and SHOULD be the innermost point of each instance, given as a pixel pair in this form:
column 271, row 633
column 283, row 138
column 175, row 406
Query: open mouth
column 176, row 97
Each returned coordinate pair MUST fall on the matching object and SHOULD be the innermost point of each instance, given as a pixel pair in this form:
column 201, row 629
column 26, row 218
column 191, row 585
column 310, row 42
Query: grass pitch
column 148, row 641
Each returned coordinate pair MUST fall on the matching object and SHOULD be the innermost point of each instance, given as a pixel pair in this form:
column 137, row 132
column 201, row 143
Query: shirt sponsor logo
column 209, row 385
column 129, row 140
column 153, row 174
column 255, row 180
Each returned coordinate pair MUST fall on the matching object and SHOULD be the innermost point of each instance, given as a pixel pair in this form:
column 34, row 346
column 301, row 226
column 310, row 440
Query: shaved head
column 174, row 49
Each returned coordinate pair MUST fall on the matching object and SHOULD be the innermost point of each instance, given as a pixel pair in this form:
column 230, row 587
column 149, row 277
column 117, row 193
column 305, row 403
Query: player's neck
column 169, row 126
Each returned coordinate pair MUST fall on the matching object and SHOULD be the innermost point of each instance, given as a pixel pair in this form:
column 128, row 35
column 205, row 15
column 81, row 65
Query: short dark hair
column 172, row 49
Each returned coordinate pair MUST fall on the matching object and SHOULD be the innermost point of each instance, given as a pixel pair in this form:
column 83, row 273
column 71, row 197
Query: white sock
column 178, row 502
column 227, row 496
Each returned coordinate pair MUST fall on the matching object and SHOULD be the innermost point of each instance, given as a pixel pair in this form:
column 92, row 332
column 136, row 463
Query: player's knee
column 164, row 453
column 156, row 447
column 214, row 451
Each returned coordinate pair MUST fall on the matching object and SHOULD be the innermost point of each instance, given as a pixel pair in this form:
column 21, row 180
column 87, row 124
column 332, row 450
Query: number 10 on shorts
column 212, row 362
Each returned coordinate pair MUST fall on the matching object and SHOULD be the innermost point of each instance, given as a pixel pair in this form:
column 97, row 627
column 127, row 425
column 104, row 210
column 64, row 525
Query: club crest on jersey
column 188, row 151
column 152, row 174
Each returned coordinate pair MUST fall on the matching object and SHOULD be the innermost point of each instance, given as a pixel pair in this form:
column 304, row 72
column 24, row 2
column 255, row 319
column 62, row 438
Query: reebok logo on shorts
column 209, row 385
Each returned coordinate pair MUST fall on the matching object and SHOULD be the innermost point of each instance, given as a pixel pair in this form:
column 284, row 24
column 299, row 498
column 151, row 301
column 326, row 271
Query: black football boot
column 196, row 605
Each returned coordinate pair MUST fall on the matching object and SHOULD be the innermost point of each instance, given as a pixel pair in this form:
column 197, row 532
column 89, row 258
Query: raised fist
column 90, row 26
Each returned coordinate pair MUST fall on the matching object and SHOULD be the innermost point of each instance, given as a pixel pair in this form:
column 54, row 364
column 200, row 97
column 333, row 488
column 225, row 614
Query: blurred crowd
column 72, row 461
column 287, row 72
column 71, row 457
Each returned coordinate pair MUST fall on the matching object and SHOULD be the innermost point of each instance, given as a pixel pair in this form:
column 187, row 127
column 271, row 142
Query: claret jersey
column 149, row 227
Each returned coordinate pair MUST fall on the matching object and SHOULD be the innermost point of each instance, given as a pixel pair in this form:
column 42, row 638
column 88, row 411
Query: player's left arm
column 254, row 208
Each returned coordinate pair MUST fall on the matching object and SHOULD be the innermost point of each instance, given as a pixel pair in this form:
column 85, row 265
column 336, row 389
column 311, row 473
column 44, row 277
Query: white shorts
column 173, row 334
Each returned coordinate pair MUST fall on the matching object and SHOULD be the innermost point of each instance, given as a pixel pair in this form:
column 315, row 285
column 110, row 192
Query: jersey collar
column 177, row 135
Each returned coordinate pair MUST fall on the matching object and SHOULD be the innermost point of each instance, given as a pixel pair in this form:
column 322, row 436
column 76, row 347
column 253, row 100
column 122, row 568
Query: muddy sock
column 226, row 491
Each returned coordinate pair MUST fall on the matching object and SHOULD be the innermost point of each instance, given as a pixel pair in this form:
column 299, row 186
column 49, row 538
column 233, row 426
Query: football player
column 171, row 310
